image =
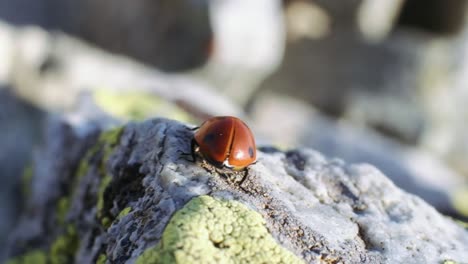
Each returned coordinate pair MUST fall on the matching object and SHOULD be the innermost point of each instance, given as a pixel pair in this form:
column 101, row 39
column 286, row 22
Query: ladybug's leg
column 239, row 177
column 245, row 174
column 193, row 146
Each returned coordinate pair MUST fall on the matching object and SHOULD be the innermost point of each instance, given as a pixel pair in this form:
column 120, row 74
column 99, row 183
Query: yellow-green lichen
column 124, row 212
column 107, row 141
column 101, row 259
column 34, row 256
column 459, row 200
column 106, row 222
column 63, row 204
column 110, row 139
column 105, row 181
column 137, row 105
column 64, row 247
column 448, row 261
column 462, row 223
column 209, row 230
column 26, row 180
column 82, row 168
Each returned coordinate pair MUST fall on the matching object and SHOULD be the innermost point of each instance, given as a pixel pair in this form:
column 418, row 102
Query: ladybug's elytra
column 225, row 141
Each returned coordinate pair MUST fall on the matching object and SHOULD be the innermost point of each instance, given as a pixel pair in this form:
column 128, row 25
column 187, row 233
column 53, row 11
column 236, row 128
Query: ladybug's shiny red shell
column 226, row 141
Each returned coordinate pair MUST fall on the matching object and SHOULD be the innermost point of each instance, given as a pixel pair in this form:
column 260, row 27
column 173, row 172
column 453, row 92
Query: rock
column 248, row 46
column 412, row 169
column 54, row 71
column 233, row 38
column 337, row 80
column 26, row 12
column 375, row 63
column 231, row 45
column 171, row 35
column 445, row 134
column 20, row 126
column 131, row 195
column 6, row 48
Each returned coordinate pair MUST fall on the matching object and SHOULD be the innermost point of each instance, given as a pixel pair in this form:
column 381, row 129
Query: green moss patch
column 104, row 147
column 64, row 247
column 34, row 256
column 209, row 230
column 63, row 205
column 106, row 142
column 459, row 198
column 26, row 180
column 106, row 180
column 62, row 250
column 124, row 212
column 101, row 259
column 110, row 139
column 137, row 105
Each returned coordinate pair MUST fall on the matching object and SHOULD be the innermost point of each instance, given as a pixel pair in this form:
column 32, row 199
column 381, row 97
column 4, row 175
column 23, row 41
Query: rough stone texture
column 323, row 211
column 414, row 170
column 20, row 130
column 235, row 234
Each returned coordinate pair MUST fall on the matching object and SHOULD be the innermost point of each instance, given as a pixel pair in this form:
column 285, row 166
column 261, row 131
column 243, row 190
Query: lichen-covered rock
column 209, row 230
column 137, row 198
column 20, row 131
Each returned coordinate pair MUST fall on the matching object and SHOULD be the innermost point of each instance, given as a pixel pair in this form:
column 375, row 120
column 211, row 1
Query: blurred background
column 376, row 81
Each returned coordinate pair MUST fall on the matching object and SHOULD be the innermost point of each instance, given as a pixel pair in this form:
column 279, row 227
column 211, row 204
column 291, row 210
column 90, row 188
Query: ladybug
column 225, row 141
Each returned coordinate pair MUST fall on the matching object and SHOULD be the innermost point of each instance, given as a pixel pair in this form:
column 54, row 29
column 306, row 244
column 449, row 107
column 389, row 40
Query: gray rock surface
column 395, row 83
column 445, row 101
column 172, row 35
column 54, row 70
column 20, row 131
column 412, row 169
column 325, row 211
